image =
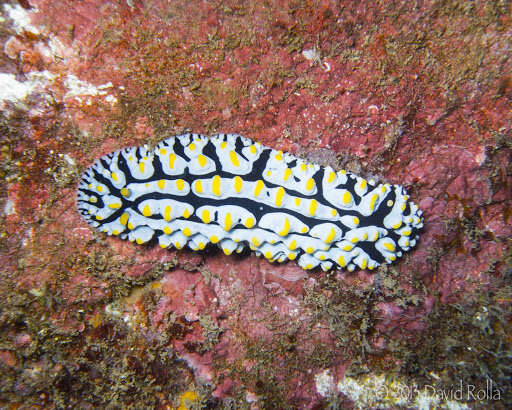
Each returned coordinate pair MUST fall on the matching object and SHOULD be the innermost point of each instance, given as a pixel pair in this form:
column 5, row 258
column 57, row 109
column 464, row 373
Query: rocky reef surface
column 412, row 94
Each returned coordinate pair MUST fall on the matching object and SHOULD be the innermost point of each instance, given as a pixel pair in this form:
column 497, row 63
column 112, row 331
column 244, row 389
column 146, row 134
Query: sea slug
column 231, row 191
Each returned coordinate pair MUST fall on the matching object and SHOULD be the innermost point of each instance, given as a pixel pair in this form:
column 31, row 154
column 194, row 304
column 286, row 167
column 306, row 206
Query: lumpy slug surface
column 191, row 190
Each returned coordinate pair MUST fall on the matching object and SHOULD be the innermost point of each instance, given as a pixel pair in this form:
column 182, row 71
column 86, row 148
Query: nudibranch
column 192, row 190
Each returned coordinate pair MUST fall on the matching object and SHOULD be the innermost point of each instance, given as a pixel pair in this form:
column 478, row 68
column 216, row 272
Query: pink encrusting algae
column 403, row 94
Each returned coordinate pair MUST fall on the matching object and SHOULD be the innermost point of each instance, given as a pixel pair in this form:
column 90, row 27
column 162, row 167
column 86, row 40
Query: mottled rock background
column 416, row 93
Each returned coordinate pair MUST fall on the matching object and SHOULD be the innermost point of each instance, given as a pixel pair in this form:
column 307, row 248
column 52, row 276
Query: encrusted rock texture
column 414, row 93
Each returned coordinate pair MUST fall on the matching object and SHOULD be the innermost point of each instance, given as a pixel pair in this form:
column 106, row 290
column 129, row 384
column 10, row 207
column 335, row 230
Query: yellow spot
column 341, row 261
column 347, row 198
column 141, row 167
column 406, row 232
column 130, row 226
column 389, row 246
column 297, row 201
column 199, row 186
column 201, row 245
column 268, row 255
column 269, row 173
column 331, row 236
column 321, row 257
column 214, row 239
column 139, row 241
column 348, row 247
column 403, row 207
column 365, row 236
column 309, row 266
column 187, row 232
column 167, row 213
column 364, row 263
column 292, row 256
column 279, row 156
column 178, row 245
column 397, row 225
column 355, row 239
column 237, row 183
column 116, row 232
column 115, row 205
column 186, row 213
column 293, row 245
column 202, row 160
column 192, row 146
column 383, row 189
column 392, row 257
column 310, row 249
column 130, row 158
column 172, row 160
column 161, row 184
column 125, row 192
column 331, row 177
column 406, row 242
column 310, row 184
column 146, row 184
column 162, row 151
column 390, row 203
column 223, row 144
column 249, row 222
column 93, row 199
column 373, row 200
column 123, row 220
column 376, row 236
column 255, row 241
column 313, row 205
column 234, row 158
column 226, row 251
column 363, row 183
column 272, row 241
column 98, row 217
column 286, row 227
column 114, row 176
column 180, row 184
column 343, row 172
column 146, row 211
column 99, row 188
column 228, row 222
column 163, row 245
column 287, row 174
column 205, row 216
column 167, row 230
column 216, row 185
column 252, row 148
column 259, row 186
column 304, row 229
column 334, row 212
column 303, row 167
column 279, row 196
